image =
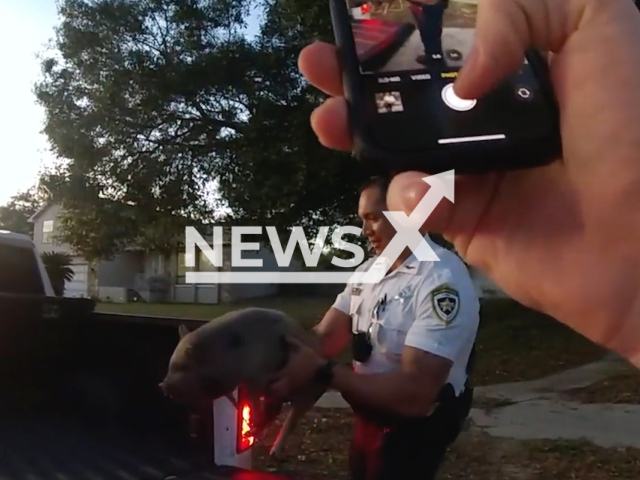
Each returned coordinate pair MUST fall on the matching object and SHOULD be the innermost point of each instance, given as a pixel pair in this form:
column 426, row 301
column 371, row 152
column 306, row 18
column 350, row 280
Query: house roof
column 44, row 208
column 205, row 230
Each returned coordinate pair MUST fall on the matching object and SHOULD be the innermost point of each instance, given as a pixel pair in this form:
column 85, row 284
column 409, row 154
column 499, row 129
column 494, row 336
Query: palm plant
column 58, row 267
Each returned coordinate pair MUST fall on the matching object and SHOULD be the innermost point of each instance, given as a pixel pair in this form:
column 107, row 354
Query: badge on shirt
column 356, row 291
column 404, row 295
column 446, row 303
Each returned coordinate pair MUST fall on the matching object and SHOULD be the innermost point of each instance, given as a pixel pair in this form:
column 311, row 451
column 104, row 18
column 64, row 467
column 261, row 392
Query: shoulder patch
column 446, row 303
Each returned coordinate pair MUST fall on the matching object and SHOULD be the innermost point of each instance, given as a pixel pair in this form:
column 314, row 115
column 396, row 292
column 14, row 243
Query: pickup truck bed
column 79, row 398
column 43, row 446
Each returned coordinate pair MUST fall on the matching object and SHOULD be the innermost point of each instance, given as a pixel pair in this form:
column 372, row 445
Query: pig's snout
column 179, row 389
column 162, row 387
column 166, row 391
column 170, row 387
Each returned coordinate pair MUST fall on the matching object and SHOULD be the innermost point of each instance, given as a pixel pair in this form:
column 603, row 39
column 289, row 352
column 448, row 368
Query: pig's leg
column 268, row 411
column 300, row 405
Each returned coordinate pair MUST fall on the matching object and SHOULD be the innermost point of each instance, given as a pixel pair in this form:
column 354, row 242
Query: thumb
column 505, row 29
column 455, row 221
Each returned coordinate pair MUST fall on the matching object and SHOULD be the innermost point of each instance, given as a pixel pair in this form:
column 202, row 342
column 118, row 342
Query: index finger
column 319, row 63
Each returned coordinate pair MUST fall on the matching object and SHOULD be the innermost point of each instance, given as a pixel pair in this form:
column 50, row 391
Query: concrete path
column 603, row 425
column 534, row 410
column 567, row 380
column 332, row 399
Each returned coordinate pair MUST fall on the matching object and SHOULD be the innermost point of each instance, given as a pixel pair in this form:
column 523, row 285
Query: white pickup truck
column 80, row 396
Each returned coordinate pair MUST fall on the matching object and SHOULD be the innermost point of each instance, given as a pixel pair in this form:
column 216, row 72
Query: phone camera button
column 454, row 102
column 524, row 93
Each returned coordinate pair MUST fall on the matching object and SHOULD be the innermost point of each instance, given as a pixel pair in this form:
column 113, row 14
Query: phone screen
column 410, row 53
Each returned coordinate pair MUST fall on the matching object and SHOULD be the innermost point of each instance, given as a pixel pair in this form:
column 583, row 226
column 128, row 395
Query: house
column 152, row 276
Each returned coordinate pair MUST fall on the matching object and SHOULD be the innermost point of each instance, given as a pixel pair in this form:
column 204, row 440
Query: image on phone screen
column 410, row 53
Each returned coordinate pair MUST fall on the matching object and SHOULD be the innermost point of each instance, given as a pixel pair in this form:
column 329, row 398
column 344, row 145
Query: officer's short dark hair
column 378, row 181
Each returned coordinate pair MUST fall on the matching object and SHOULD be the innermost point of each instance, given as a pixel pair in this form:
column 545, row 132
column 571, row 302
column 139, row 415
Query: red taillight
column 366, row 8
column 245, row 420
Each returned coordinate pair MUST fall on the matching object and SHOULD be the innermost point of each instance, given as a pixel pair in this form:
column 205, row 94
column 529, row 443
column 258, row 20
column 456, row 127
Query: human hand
column 299, row 371
column 562, row 238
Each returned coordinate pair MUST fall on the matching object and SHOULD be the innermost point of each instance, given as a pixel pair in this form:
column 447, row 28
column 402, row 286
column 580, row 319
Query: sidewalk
column 534, row 410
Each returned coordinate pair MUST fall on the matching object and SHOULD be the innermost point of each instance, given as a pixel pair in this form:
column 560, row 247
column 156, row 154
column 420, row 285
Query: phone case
column 465, row 158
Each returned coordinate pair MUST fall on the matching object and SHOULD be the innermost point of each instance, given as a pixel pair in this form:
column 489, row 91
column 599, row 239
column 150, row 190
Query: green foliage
column 15, row 214
column 149, row 101
column 58, row 267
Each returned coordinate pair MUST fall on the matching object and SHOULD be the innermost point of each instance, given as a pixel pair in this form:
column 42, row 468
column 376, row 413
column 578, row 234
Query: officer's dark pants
column 430, row 28
column 384, row 448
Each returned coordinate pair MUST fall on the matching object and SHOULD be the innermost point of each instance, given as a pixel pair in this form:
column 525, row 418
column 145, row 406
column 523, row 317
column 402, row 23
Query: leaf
column 155, row 104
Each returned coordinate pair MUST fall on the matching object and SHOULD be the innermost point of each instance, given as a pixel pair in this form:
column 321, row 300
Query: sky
column 25, row 27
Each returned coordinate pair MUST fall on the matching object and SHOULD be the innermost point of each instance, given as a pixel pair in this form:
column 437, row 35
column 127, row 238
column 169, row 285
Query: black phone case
column 465, row 158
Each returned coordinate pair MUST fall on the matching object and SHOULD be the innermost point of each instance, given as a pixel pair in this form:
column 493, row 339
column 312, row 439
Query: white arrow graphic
column 408, row 228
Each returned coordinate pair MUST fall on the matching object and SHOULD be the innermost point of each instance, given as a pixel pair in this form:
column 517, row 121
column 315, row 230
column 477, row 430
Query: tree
column 58, row 267
column 319, row 186
column 15, row 214
column 149, row 101
column 99, row 228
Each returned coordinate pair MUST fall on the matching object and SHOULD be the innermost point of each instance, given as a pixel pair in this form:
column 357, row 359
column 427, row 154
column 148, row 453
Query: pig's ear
column 183, row 331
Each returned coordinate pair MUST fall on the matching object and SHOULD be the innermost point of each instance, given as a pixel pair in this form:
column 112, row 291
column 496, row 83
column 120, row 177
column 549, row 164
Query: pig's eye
column 192, row 354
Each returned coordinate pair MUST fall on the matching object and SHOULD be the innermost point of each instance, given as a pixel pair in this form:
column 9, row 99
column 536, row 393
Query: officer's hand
column 564, row 238
column 299, row 371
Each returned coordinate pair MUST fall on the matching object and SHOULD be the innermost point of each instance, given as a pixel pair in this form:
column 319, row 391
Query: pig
column 242, row 347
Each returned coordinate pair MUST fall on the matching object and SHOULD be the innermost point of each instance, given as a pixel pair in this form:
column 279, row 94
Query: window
column 202, row 265
column 182, row 268
column 19, row 271
column 157, row 264
column 47, row 232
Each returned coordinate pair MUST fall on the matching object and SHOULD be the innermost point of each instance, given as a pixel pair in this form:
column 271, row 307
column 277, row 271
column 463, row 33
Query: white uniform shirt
column 432, row 306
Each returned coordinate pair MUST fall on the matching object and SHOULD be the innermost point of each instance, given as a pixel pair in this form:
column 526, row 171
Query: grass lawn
column 318, row 449
column 514, row 343
column 308, row 311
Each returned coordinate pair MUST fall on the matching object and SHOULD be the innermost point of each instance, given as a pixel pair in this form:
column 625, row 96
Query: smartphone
column 399, row 61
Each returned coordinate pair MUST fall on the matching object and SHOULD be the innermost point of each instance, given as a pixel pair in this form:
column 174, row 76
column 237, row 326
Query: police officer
column 412, row 336
column 430, row 26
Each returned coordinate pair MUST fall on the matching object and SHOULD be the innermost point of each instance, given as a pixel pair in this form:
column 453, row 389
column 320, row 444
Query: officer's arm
column 335, row 327
column 430, row 347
